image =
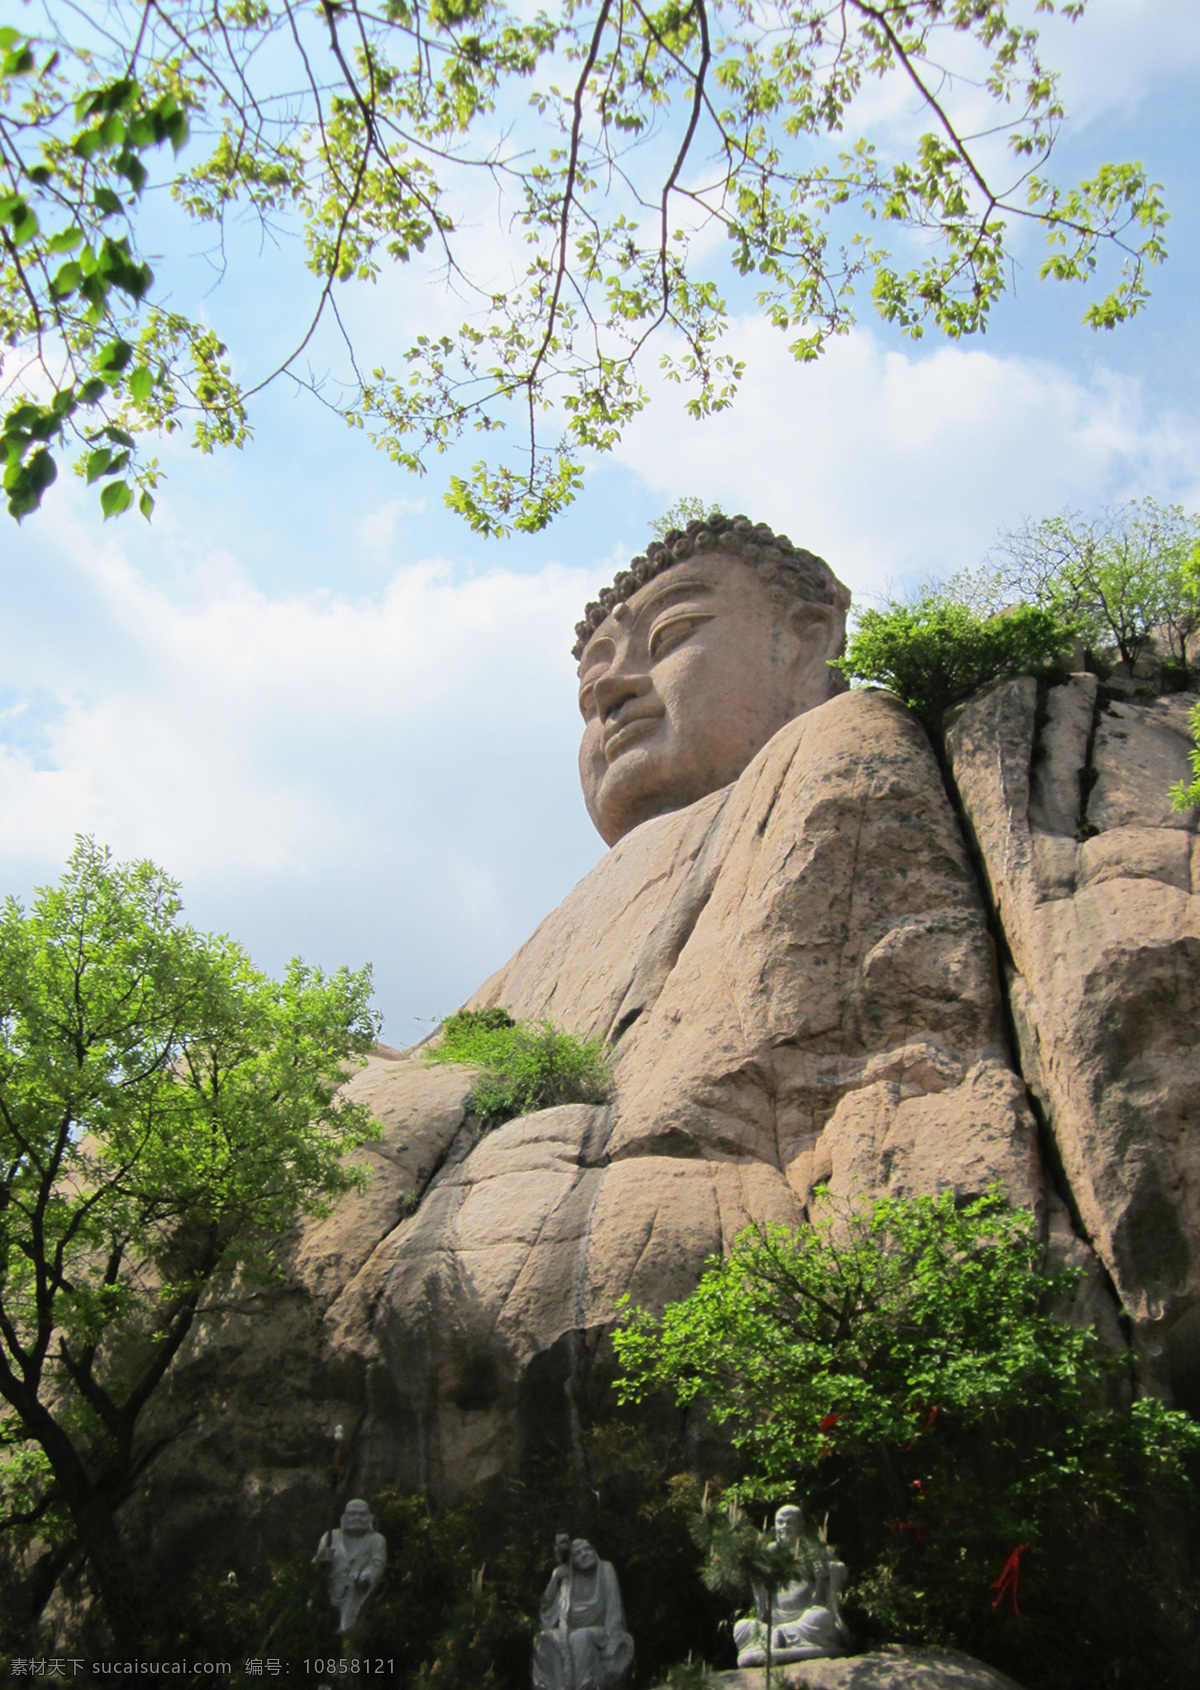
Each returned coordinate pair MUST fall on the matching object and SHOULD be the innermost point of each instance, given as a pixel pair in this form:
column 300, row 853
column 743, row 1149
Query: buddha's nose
column 615, row 687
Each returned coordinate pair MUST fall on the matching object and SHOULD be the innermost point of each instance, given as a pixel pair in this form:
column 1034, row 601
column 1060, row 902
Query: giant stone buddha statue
column 788, row 955
column 788, row 950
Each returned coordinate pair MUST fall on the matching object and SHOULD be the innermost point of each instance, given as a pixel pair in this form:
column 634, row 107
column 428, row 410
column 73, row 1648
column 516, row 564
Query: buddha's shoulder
column 852, row 742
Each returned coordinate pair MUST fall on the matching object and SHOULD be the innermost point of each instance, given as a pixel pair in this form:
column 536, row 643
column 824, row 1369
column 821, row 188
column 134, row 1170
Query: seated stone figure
column 582, row 1644
column 803, row 1618
column 787, row 951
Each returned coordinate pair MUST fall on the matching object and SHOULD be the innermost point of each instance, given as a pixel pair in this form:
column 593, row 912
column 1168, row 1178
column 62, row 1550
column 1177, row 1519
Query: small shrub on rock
column 936, row 652
column 524, row 1065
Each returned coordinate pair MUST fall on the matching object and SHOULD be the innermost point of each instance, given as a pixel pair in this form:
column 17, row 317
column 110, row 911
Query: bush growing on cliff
column 937, row 650
column 1122, row 577
column 1187, row 796
column 524, row 1065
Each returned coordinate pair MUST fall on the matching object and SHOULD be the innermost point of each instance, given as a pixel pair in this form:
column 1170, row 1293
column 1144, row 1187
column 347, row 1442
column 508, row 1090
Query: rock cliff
column 852, row 970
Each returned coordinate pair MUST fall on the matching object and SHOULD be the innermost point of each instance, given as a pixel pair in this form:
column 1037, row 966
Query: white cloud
column 1121, row 52
column 377, row 529
column 389, row 777
column 898, row 464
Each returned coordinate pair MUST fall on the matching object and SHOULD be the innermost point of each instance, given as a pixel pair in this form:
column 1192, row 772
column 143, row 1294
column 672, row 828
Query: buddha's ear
column 820, row 630
column 821, row 627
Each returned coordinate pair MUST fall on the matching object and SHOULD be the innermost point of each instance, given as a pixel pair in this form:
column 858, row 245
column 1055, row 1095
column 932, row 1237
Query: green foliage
column 846, row 1337
column 903, row 1368
column 688, row 1675
column 1122, row 578
column 361, row 130
column 1186, row 797
column 937, row 650
column 525, row 1065
column 458, row 1603
column 165, row 1113
column 683, row 511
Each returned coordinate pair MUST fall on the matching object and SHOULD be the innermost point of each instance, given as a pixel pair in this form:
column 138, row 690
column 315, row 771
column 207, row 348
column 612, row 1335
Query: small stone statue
column 356, row 1554
column 803, row 1617
column 582, row 1644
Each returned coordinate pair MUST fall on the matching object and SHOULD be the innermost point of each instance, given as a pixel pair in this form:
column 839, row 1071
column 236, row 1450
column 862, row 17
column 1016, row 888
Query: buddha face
column 680, row 686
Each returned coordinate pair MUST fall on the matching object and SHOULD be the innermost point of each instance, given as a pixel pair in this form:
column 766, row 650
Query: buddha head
column 693, row 659
column 583, row 1556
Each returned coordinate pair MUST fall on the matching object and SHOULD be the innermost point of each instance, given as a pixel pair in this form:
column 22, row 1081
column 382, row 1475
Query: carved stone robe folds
column 350, row 1558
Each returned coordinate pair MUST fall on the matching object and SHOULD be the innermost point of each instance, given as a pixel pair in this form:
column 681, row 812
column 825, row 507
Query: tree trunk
column 92, row 1515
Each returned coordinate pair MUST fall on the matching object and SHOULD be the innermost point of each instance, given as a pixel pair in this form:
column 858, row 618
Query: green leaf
column 66, row 279
column 97, row 463
column 141, row 384
column 113, row 357
column 146, row 505
column 116, row 498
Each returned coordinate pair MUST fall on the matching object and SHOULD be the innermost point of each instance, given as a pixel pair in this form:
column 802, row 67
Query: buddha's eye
column 672, row 631
column 587, row 702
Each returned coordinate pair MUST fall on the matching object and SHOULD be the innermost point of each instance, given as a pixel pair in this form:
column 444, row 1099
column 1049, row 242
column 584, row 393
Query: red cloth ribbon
column 1008, row 1581
column 829, row 1422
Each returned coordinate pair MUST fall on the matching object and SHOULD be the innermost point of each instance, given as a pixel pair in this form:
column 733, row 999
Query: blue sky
column 348, row 725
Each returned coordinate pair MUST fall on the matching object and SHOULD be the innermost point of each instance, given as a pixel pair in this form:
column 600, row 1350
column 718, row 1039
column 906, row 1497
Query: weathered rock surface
column 893, row 1668
column 1095, row 880
column 799, row 978
column 804, row 996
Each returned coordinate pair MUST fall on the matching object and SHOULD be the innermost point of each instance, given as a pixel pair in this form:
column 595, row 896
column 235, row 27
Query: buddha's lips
column 619, row 734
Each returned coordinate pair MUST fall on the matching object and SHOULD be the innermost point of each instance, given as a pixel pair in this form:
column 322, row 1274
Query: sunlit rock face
column 791, row 948
column 1095, row 880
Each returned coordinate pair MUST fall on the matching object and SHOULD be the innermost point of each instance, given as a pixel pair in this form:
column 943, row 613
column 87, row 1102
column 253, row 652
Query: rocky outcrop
column 1094, row 879
column 895, row 1668
column 802, row 996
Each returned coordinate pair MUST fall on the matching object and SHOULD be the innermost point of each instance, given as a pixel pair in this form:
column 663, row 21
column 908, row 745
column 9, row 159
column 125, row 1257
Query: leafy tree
column 614, row 134
column 165, row 1112
column 938, row 650
column 894, row 1339
column 1121, row 577
column 525, row 1065
column 685, row 510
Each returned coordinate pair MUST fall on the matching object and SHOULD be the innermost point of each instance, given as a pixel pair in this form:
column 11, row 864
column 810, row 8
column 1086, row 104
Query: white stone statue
column 356, row 1555
column 803, row 1617
column 582, row 1644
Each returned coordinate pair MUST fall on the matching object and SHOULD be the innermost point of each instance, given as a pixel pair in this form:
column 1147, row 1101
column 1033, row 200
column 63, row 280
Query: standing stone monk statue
column 356, row 1555
column 787, row 954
